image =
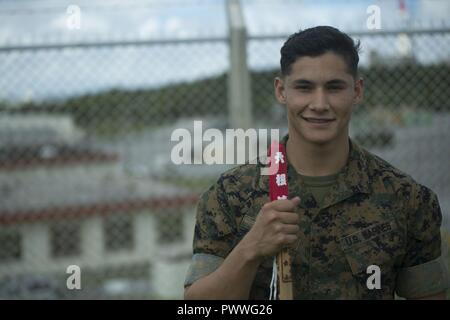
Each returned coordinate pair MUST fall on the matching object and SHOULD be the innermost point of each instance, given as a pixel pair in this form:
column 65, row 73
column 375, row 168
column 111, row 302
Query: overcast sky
column 25, row 20
column 43, row 74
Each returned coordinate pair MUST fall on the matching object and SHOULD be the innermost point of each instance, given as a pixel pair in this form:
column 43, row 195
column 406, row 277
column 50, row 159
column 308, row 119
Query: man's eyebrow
column 302, row 81
column 330, row 82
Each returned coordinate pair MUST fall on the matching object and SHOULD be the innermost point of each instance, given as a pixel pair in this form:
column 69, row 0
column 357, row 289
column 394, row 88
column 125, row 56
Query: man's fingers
column 291, row 229
column 288, row 217
column 284, row 205
column 290, row 239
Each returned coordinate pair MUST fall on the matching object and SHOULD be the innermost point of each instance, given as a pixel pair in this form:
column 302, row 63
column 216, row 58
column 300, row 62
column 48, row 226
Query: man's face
column 319, row 94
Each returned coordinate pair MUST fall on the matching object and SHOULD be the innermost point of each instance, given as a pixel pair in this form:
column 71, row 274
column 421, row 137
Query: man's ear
column 279, row 90
column 359, row 91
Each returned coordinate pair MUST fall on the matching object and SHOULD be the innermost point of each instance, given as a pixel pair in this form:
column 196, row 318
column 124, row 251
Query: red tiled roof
column 14, row 158
column 82, row 211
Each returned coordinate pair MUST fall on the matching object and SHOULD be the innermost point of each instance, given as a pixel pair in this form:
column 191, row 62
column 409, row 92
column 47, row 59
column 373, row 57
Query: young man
column 347, row 209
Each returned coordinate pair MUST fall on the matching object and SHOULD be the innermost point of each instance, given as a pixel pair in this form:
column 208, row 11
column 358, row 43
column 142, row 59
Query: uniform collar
column 352, row 179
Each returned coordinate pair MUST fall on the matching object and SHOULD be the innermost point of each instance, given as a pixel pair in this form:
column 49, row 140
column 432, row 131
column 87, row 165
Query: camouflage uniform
column 374, row 215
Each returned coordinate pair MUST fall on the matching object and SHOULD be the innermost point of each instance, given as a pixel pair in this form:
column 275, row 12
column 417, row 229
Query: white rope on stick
column 274, row 281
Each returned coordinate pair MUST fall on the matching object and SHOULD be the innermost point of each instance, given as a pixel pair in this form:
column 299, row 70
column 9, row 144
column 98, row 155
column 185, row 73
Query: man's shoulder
column 378, row 166
column 385, row 176
column 234, row 187
column 240, row 177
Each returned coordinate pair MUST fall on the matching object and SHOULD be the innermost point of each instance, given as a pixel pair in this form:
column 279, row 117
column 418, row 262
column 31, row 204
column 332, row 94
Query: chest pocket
column 380, row 244
column 249, row 213
column 246, row 224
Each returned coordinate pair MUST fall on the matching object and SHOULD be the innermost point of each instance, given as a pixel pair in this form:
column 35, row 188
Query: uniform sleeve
column 423, row 272
column 214, row 235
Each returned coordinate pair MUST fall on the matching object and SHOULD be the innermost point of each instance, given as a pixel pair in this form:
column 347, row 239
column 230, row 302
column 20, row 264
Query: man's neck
column 317, row 160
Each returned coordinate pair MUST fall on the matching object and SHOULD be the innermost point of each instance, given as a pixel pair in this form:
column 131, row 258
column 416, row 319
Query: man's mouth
column 318, row 120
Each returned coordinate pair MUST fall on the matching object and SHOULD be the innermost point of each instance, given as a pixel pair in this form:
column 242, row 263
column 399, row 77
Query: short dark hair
column 316, row 41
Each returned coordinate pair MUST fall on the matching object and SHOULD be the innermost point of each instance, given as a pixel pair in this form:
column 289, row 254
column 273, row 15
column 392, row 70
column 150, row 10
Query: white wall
column 168, row 270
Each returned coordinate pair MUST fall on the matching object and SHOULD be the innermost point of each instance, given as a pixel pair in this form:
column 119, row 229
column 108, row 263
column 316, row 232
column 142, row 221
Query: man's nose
column 319, row 102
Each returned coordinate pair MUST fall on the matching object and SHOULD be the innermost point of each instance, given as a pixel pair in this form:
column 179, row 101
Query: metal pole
column 239, row 92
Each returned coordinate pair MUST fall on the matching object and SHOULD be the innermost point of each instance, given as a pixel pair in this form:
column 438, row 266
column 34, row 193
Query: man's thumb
column 296, row 200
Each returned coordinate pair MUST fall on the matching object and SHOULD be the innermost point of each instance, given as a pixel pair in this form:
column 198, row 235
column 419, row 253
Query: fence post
column 239, row 91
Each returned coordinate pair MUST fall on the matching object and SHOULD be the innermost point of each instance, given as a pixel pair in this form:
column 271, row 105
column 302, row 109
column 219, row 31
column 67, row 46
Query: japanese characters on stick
column 278, row 189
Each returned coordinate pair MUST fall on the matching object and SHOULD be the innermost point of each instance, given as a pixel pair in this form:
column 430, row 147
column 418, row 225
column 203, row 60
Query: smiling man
column 356, row 227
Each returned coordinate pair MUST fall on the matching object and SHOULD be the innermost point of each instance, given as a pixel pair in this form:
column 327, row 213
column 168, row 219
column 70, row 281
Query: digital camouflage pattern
column 374, row 215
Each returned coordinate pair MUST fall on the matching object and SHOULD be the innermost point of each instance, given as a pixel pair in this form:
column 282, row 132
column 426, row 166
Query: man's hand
column 275, row 228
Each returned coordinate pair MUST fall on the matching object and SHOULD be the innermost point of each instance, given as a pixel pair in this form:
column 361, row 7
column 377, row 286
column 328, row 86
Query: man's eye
column 335, row 88
column 303, row 88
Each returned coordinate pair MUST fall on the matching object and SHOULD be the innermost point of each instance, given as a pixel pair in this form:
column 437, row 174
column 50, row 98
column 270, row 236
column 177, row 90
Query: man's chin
column 317, row 138
column 320, row 141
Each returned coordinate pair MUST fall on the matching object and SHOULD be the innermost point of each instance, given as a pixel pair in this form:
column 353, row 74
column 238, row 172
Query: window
column 118, row 232
column 10, row 245
column 65, row 239
column 169, row 226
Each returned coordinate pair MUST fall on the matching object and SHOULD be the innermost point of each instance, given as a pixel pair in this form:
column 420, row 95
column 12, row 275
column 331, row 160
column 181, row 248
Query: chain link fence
column 85, row 140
